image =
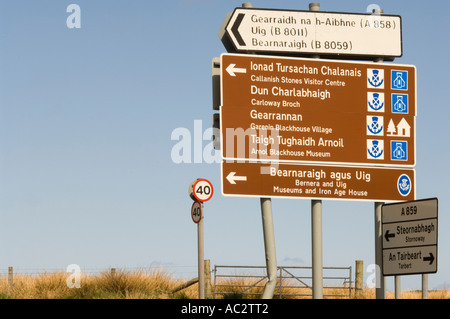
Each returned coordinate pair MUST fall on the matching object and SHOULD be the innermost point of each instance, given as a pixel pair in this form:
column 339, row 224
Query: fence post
column 281, row 280
column 208, row 293
column 215, row 282
column 358, row 278
column 10, row 277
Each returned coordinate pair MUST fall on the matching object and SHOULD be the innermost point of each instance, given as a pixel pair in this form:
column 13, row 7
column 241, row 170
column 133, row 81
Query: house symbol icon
column 403, row 129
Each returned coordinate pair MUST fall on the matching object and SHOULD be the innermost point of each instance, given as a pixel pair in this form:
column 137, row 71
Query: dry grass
column 121, row 285
column 433, row 294
column 157, row 285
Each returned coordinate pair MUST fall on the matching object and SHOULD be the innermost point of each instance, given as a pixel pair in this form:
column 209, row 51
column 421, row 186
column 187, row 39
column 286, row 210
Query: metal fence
column 237, row 281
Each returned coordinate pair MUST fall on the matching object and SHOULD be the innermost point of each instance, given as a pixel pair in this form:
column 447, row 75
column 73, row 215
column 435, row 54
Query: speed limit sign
column 202, row 190
column 197, row 212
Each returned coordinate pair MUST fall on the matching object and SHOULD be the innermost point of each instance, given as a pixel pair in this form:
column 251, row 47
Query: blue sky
column 86, row 118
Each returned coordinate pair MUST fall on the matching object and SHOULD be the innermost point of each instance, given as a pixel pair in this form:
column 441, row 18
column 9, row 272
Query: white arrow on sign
column 231, row 69
column 232, row 178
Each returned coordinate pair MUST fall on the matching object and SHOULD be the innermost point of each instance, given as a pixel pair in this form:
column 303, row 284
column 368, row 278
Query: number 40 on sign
column 202, row 190
column 197, row 212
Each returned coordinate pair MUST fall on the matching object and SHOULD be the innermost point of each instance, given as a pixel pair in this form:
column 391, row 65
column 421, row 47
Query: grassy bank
column 141, row 285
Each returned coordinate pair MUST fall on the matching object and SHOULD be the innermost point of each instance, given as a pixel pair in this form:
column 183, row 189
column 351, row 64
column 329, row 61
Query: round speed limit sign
column 197, row 212
column 203, row 190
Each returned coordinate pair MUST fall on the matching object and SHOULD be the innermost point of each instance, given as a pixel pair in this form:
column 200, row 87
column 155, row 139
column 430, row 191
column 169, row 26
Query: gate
column 292, row 281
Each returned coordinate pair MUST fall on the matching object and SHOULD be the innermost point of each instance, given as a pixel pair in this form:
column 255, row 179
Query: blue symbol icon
column 375, row 148
column 375, row 78
column 404, row 185
column 400, row 103
column 399, row 80
column 375, row 124
column 376, row 101
column 399, row 150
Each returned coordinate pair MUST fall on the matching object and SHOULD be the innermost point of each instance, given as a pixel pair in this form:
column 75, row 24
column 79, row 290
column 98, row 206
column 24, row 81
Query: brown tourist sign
column 314, row 111
column 317, row 181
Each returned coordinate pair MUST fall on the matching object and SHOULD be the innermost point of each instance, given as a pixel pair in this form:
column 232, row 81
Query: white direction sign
column 410, row 233
column 407, row 234
column 409, row 261
column 307, row 32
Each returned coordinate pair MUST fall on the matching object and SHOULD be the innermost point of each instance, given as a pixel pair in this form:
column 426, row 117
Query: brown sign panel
column 309, row 110
column 350, row 138
column 317, row 182
column 317, row 84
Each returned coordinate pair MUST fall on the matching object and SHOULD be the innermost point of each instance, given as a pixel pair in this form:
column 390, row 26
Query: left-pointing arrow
column 232, row 178
column 387, row 235
column 232, row 70
column 235, row 29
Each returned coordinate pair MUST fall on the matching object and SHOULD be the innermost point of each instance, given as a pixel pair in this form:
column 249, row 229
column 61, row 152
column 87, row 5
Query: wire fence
column 179, row 272
column 292, row 281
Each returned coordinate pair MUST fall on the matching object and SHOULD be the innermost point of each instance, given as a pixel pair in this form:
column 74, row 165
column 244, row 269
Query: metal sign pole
column 201, row 266
column 200, row 190
column 316, row 227
column 269, row 237
column 424, row 286
column 380, row 290
column 398, row 287
column 317, row 266
column 269, row 244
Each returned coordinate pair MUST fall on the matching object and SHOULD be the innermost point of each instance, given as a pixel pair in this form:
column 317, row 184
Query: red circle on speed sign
column 203, row 190
column 197, row 212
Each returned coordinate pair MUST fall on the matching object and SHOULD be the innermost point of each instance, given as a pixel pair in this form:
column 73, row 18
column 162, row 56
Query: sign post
column 380, row 289
column 200, row 190
column 410, row 233
column 310, row 127
column 316, row 224
column 269, row 247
